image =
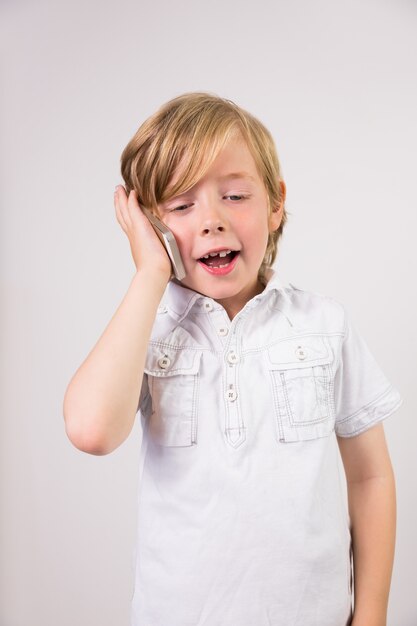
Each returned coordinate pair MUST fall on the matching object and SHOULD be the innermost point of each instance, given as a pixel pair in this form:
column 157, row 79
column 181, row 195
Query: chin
column 221, row 292
column 221, row 288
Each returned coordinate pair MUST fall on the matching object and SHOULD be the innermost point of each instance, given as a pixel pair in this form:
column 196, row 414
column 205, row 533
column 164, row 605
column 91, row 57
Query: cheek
column 254, row 227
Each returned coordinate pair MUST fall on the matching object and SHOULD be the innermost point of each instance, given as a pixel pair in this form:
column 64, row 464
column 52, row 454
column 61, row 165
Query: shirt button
column 223, row 331
column 300, row 353
column 231, row 394
column 164, row 362
column 162, row 309
column 232, row 358
column 208, row 305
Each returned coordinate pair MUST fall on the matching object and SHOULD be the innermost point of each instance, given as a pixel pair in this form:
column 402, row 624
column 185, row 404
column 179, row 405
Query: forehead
column 233, row 161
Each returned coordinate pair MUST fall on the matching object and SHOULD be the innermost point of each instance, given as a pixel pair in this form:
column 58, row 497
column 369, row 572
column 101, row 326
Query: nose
column 213, row 220
column 212, row 226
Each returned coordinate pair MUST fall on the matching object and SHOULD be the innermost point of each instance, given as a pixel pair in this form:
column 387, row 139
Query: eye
column 181, row 208
column 236, row 197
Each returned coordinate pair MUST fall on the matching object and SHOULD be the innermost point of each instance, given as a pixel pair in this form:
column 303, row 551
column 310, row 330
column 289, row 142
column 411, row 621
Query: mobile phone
column 167, row 238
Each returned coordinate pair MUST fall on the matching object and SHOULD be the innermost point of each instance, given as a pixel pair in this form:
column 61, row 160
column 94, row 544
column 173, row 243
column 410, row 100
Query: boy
column 244, row 386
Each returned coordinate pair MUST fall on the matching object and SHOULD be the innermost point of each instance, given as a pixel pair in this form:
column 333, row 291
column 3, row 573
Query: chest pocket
column 173, row 378
column 302, row 387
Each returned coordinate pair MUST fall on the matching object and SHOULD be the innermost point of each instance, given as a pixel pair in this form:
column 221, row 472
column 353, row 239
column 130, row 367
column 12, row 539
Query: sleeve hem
column 376, row 411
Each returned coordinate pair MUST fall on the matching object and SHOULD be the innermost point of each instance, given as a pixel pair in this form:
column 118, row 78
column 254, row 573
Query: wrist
column 371, row 618
column 157, row 278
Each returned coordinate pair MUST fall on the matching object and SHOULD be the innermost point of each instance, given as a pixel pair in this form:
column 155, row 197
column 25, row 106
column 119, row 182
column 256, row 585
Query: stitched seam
column 287, row 403
column 332, row 406
column 277, row 412
column 189, row 439
column 169, row 346
column 287, row 337
column 366, row 406
column 193, row 369
column 194, row 415
column 375, row 421
column 239, row 406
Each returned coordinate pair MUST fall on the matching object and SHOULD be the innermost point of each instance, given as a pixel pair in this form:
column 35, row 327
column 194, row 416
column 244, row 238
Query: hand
column 147, row 250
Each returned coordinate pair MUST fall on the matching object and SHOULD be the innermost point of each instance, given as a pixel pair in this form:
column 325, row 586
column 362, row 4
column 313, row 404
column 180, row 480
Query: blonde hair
column 184, row 137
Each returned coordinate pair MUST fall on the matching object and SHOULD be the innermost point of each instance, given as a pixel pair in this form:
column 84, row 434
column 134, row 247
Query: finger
column 133, row 206
column 124, row 209
column 119, row 213
column 121, row 222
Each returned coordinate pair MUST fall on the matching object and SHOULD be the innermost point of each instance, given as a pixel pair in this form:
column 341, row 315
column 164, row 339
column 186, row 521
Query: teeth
column 221, row 254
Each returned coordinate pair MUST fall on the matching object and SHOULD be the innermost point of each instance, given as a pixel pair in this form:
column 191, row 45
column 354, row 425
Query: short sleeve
column 363, row 395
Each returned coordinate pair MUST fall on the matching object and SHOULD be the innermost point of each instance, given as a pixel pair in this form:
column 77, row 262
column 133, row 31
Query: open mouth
column 219, row 259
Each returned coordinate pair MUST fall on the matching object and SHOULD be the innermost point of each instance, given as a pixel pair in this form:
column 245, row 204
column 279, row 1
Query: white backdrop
column 335, row 82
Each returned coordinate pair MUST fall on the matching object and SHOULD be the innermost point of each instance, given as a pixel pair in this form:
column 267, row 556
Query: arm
column 100, row 402
column 372, row 510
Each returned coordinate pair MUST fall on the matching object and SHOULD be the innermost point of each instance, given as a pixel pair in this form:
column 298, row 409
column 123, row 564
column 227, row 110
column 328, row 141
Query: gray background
column 335, row 82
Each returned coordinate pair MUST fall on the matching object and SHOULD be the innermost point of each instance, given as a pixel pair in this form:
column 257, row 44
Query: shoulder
column 315, row 306
column 317, row 297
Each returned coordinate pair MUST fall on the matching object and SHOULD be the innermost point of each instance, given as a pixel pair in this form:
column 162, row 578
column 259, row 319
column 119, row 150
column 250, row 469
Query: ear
column 275, row 218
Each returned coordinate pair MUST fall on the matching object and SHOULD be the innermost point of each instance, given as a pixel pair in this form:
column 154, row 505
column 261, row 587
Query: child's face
column 224, row 213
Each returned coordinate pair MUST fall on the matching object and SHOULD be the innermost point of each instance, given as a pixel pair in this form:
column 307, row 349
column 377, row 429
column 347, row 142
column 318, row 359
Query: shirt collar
column 178, row 299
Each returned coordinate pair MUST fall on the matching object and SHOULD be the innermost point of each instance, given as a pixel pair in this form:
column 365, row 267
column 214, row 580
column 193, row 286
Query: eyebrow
column 236, row 175
column 231, row 176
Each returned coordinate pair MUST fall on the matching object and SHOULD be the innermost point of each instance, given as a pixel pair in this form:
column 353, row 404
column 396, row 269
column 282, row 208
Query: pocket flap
column 168, row 361
column 299, row 352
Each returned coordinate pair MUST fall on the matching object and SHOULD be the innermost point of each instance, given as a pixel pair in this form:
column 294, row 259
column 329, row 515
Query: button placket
column 220, row 323
column 235, row 429
column 232, row 357
column 231, row 393
column 208, row 306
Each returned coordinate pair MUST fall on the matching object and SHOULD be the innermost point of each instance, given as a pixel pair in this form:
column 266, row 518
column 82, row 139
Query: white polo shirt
column 242, row 517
